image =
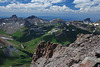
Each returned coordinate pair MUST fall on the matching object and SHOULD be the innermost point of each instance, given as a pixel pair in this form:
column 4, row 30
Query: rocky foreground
column 84, row 52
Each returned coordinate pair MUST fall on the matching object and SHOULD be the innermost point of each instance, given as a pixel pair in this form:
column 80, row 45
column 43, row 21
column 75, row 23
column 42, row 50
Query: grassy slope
column 2, row 32
column 31, row 45
column 71, row 36
column 17, row 60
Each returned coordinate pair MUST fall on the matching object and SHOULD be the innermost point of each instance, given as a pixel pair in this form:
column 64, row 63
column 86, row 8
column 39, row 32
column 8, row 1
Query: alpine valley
column 35, row 42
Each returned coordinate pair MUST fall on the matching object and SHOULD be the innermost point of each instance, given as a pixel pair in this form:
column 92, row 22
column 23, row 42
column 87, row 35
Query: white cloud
column 3, row 1
column 45, row 1
column 60, row 9
column 10, row 1
column 20, row 7
column 87, row 5
column 81, row 1
column 47, row 6
column 34, row 7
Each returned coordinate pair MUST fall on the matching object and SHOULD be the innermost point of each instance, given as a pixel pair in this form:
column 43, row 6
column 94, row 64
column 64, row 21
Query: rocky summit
column 87, row 20
column 13, row 16
column 84, row 52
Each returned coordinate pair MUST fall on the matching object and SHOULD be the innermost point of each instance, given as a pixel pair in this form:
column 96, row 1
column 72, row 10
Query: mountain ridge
column 26, row 33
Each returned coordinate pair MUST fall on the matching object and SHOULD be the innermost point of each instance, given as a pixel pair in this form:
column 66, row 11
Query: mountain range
column 27, row 41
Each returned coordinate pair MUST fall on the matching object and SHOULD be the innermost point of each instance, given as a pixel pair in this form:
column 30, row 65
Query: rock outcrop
column 84, row 52
column 44, row 50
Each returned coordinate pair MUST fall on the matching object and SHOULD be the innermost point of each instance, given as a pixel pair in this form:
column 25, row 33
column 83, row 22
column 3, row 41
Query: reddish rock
column 88, row 62
column 44, row 50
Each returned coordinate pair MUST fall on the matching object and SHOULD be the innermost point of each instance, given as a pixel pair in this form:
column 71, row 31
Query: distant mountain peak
column 31, row 17
column 87, row 20
column 13, row 16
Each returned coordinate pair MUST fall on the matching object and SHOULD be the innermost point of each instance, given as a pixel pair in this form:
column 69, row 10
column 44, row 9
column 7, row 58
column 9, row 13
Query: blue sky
column 68, row 8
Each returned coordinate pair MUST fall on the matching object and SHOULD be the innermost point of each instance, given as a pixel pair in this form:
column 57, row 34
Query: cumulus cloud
column 45, row 1
column 87, row 5
column 81, row 1
column 35, row 6
column 3, row 1
column 29, row 7
column 47, row 6
column 11, row 1
column 60, row 9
